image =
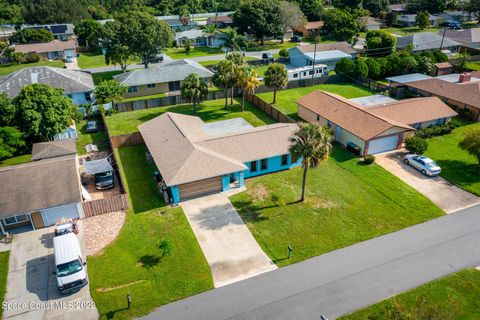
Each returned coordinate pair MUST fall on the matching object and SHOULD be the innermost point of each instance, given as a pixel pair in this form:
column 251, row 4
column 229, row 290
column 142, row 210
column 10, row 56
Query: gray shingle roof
column 53, row 149
column 175, row 70
column 425, row 41
column 71, row 81
column 38, row 185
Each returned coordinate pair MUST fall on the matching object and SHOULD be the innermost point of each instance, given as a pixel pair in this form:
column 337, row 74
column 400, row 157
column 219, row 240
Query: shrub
column 166, row 247
column 278, row 201
column 368, row 159
column 31, row 57
column 440, row 56
column 374, row 68
column 361, row 69
column 345, row 66
column 283, row 53
column 416, row 144
column 471, row 142
column 433, row 131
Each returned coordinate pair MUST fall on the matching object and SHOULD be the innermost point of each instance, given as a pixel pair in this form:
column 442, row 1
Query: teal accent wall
column 274, row 164
column 175, row 194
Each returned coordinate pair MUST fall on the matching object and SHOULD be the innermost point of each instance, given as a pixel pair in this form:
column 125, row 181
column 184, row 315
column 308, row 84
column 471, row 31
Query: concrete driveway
column 441, row 192
column 31, row 286
column 229, row 247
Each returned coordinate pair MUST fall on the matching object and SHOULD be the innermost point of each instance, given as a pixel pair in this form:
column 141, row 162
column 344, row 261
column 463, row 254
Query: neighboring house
column 177, row 25
column 468, row 38
column 310, row 28
column 370, row 24
column 443, row 68
column 458, row 16
column 53, row 50
column 427, row 41
column 460, row 91
column 406, row 78
column 5, row 34
column 196, row 159
column 40, row 193
column 198, row 38
column 397, row 8
column 329, row 54
column 61, row 32
column 167, row 77
column 53, row 149
column 374, row 129
column 409, row 20
column 76, row 84
column 221, row 21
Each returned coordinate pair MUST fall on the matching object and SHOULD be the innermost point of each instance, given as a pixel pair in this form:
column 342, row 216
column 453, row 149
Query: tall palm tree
column 210, row 30
column 312, row 143
column 194, row 89
column 276, row 77
column 184, row 17
column 238, row 62
column 234, row 40
column 248, row 81
column 223, row 77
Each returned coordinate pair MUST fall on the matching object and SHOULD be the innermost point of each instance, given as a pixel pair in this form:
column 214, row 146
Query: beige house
column 310, row 28
column 372, row 129
column 165, row 78
column 53, row 50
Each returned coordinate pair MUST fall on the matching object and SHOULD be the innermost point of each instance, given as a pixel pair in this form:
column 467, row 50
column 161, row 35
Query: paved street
column 345, row 280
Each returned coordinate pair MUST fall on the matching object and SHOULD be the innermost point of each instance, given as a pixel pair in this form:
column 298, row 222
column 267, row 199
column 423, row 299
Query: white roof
column 66, row 248
column 373, row 100
column 408, row 78
column 328, row 55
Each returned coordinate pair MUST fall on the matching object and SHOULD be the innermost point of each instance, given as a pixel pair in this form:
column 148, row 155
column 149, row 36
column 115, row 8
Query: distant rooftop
column 408, row 78
column 374, row 100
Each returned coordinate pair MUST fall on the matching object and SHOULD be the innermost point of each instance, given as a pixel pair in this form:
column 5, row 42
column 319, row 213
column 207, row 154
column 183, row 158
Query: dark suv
column 104, row 180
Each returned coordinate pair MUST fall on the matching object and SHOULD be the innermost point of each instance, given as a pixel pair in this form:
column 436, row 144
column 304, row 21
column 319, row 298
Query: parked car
column 91, row 126
column 296, row 39
column 104, row 180
column 423, row 164
column 69, row 60
column 156, row 59
column 267, row 56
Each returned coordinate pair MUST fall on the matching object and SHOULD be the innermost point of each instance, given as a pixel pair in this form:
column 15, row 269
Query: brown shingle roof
column 342, row 46
column 313, row 25
column 442, row 65
column 53, row 149
column 55, row 45
column 348, row 114
column 226, row 19
column 38, row 185
column 414, row 110
column 184, row 152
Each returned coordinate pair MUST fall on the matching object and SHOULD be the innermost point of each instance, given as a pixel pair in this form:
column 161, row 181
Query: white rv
column 306, row 72
column 70, row 268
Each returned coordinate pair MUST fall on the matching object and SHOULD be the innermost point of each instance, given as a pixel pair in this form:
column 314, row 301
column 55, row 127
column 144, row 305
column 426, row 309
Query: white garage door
column 383, row 144
column 55, row 214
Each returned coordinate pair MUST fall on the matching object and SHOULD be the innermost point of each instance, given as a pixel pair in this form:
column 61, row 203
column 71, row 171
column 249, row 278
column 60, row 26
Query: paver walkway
column 101, row 230
column 229, row 247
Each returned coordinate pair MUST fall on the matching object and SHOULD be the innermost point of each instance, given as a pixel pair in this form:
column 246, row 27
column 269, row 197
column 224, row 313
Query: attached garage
column 383, row 144
column 53, row 215
column 200, row 188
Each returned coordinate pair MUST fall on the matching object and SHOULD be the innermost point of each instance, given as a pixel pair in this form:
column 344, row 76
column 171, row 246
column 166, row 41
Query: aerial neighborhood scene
column 213, row 160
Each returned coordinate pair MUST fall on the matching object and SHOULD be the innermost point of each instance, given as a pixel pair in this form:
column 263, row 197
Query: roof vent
column 464, row 77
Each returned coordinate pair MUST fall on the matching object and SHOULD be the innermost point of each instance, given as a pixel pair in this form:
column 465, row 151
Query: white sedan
column 424, row 164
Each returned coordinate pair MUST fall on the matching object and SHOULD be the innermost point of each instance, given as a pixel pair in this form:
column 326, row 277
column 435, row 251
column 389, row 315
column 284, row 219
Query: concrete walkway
column 229, row 247
column 441, row 192
column 345, row 280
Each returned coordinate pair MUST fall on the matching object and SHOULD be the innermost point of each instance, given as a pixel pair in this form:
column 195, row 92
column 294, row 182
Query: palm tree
column 248, row 81
column 184, row 17
column 210, row 30
column 238, row 62
column 276, row 77
column 312, row 143
column 234, row 40
column 223, row 77
column 194, row 89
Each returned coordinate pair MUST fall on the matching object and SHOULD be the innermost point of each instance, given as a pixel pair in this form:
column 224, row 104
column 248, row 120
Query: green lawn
column 270, row 45
column 99, row 138
column 126, row 122
column 9, row 68
column 133, row 263
column 449, row 298
column 89, row 60
column 458, row 166
column 16, row 160
column 100, row 76
column 179, row 53
column 152, row 96
column 261, row 70
column 475, row 66
column 346, row 202
column 3, row 275
column 209, row 63
column 287, row 99
column 409, row 30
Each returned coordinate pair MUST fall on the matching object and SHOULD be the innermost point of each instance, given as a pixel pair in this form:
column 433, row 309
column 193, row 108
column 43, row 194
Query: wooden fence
column 101, row 206
column 269, row 109
column 128, row 139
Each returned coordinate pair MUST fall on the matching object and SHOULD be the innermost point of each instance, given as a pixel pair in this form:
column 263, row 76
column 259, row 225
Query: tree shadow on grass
column 149, row 261
column 111, row 314
column 461, row 173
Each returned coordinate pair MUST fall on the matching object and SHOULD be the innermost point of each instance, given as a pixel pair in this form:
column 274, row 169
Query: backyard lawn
column 15, row 160
column 133, row 263
column 89, row 60
column 3, row 275
column 458, row 166
column 99, row 138
column 452, row 297
column 9, row 68
column 179, row 53
column 287, row 99
column 107, row 75
column 126, row 122
column 346, row 202
column 409, row 30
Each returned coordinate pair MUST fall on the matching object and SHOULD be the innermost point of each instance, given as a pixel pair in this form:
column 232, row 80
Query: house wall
column 175, row 194
column 274, row 164
column 297, row 58
column 391, row 131
column 79, row 98
column 51, row 215
column 144, row 90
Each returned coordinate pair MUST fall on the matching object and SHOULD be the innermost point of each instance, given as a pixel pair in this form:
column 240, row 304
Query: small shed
column 443, row 68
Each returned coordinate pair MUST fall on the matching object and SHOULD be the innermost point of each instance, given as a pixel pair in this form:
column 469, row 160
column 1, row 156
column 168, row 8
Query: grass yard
column 3, row 275
column 126, row 122
column 9, row 68
column 89, row 60
column 99, row 138
column 152, row 96
column 458, row 166
column 261, row 70
column 409, row 30
column 287, row 99
column 133, row 263
column 100, row 76
column 270, row 45
column 452, row 297
column 475, row 66
column 179, row 53
column 346, row 202
column 15, row 160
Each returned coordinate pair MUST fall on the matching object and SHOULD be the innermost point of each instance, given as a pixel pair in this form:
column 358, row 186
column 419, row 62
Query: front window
column 15, row 219
column 69, row 268
column 263, row 164
column 253, row 166
column 132, row 89
column 295, row 75
column 329, row 124
column 87, row 96
column 284, row 159
column 151, row 85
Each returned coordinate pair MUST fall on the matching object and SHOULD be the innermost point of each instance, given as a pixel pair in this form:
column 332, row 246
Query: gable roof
column 341, row 46
column 471, row 35
column 177, row 22
column 38, row 185
column 43, row 47
column 70, row 81
column 53, row 149
column 184, row 152
column 348, row 114
column 425, row 41
column 175, row 70
column 311, row 25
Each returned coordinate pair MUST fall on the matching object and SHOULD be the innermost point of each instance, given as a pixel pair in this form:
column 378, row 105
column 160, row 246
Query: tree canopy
column 86, row 30
column 28, row 35
column 380, row 42
column 341, row 25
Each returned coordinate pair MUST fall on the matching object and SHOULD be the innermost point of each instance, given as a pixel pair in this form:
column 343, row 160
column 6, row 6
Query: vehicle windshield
column 103, row 177
column 69, row 268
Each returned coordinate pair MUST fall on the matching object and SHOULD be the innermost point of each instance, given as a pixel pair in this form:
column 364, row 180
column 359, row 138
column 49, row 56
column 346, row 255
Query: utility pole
column 443, row 37
column 314, row 57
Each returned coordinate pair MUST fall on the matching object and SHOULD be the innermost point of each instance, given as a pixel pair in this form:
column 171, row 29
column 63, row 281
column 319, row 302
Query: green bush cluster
column 416, row 144
column 433, row 131
column 368, row 159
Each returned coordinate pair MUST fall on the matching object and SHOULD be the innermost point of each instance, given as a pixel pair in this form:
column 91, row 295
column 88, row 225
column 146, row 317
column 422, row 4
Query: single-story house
column 374, row 129
column 406, row 78
column 53, row 50
column 40, row 193
column 5, row 34
column 177, row 25
column 53, row 149
column 458, row 16
column 463, row 94
column 76, row 84
column 397, row 8
column 311, row 27
column 469, row 38
column 196, row 159
column 167, row 77
column 409, row 20
column 198, row 38
column 427, row 41
column 328, row 53
column 370, row 23
column 221, row 21
column 61, row 32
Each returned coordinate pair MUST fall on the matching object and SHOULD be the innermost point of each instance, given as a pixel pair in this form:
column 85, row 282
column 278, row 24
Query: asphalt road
column 345, row 280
